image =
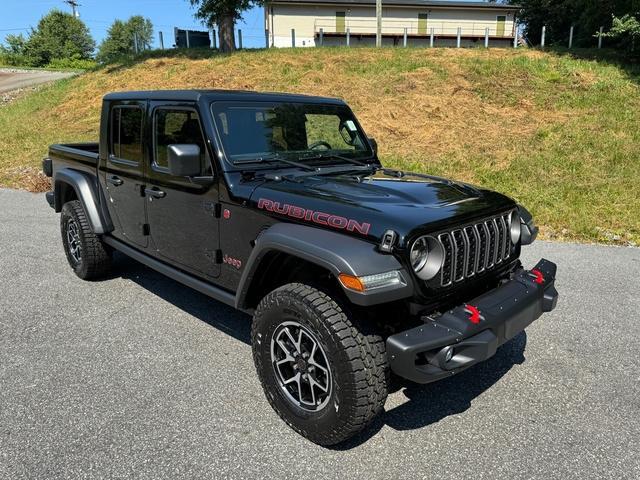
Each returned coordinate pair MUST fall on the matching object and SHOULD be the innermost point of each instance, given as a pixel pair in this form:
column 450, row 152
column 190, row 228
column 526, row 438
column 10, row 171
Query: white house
column 333, row 22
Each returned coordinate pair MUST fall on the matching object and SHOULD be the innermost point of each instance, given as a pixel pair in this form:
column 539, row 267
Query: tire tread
column 96, row 256
column 364, row 348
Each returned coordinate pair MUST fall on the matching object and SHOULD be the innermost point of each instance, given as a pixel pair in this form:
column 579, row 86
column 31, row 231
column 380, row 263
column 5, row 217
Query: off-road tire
column 95, row 259
column 355, row 352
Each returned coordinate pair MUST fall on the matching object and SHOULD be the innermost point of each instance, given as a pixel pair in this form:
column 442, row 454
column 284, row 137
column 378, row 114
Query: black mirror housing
column 184, row 160
column 374, row 145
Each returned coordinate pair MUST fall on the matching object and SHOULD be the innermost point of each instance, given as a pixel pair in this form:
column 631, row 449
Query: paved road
column 140, row 377
column 15, row 79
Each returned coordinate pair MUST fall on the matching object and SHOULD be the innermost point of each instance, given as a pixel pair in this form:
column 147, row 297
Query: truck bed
column 78, row 156
column 82, row 152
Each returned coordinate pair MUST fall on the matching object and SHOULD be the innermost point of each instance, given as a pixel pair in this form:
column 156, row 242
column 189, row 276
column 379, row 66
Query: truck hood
column 370, row 206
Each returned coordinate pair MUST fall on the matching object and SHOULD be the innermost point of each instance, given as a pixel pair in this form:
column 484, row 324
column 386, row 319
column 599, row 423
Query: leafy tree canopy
column 58, row 36
column 223, row 14
column 125, row 38
column 587, row 16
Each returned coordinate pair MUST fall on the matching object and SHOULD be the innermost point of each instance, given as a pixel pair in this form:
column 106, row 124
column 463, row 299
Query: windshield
column 259, row 131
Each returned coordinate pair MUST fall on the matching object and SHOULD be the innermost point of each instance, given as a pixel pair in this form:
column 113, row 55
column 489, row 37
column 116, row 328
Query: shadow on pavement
column 217, row 314
column 426, row 405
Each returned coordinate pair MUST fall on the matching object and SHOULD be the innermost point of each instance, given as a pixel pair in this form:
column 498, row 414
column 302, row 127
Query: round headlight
column 426, row 257
column 419, row 254
column 515, row 227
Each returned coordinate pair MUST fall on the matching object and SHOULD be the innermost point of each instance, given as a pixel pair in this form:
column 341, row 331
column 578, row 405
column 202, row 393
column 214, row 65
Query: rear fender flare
column 86, row 190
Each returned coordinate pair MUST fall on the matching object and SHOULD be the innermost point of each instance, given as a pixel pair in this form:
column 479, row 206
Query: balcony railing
column 396, row 27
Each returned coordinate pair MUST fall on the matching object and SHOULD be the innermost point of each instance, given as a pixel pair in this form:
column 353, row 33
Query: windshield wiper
column 329, row 155
column 275, row 159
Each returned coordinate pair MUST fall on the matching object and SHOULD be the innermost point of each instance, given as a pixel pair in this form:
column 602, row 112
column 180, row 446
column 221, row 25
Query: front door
column 124, row 172
column 181, row 211
column 341, row 24
column 422, row 23
column 502, row 20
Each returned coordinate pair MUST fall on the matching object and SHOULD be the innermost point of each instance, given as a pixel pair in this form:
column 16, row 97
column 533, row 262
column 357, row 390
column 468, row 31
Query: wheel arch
column 320, row 253
column 70, row 185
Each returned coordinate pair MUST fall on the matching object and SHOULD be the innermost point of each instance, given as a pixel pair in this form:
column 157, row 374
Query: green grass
column 558, row 132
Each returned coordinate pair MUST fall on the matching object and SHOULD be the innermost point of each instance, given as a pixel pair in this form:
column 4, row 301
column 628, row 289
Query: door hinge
column 218, row 210
column 218, row 256
column 146, row 229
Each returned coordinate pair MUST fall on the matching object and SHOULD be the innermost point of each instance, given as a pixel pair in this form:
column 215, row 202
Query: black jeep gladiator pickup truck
column 278, row 205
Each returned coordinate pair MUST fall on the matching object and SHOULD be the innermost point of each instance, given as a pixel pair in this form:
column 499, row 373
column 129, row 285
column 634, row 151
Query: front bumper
column 459, row 338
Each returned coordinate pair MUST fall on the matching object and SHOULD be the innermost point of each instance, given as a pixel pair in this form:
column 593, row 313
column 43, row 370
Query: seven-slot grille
column 475, row 248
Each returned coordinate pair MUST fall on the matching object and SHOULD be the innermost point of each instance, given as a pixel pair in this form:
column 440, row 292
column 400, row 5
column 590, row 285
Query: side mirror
column 347, row 132
column 374, row 145
column 184, row 160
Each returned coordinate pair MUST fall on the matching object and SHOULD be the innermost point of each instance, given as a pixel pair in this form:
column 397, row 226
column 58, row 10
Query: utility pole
column 378, row 23
column 74, row 5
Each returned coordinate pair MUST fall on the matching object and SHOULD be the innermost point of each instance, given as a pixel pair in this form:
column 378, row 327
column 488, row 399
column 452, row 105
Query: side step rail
column 212, row 291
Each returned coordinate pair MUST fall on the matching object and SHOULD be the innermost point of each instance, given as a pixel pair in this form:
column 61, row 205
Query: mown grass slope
column 558, row 133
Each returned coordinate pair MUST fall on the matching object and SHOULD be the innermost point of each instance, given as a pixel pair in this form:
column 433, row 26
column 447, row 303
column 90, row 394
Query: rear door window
column 126, row 133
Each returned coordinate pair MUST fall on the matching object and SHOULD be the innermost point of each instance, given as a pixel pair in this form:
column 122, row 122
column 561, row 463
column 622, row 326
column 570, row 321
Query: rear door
column 182, row 211
column 125, row 170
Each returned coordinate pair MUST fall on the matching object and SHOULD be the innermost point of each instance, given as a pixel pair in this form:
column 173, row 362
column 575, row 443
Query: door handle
column 154, row 193
column 115, row 181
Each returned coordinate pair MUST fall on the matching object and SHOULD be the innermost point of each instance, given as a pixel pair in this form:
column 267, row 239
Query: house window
column 341, row 24
column 422, row 23
column 500, row 28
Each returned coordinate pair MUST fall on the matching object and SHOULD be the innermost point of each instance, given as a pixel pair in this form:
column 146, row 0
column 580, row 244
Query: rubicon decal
column 321, row 218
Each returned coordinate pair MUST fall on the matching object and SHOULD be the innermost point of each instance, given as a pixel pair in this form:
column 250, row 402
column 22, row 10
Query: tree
column 58, row 36
column 223, row 14
column 124, row 38
column 14, row 44
column 558, row 16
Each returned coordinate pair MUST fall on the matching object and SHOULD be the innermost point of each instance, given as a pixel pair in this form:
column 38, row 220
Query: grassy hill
column 558, row 133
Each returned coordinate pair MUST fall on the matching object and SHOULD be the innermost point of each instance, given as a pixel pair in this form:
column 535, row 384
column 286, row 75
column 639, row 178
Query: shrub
column 71, row 64
column 626, row 30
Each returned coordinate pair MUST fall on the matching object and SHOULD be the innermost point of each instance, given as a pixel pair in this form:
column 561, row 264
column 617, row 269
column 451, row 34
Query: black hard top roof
column 218, row 95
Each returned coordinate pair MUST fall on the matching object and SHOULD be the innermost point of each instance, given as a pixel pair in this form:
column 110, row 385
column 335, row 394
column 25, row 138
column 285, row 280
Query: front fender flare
column 86, row 190
column 336, row 252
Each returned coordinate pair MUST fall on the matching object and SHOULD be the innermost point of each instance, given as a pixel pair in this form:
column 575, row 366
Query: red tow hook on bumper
column 452, row 341
column 537, row 275
column 474, row 314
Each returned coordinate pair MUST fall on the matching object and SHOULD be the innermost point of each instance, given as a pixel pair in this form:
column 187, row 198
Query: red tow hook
column 474, row 314
column 537, row 275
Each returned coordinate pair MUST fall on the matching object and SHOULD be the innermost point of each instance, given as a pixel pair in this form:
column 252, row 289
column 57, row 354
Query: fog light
column 449, row 354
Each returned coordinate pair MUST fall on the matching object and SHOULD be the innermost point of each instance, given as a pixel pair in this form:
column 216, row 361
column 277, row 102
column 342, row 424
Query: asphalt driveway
column 12, row 79
column 139, row 377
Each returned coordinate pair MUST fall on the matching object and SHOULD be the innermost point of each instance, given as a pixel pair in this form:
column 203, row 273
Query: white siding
column 307, row 20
